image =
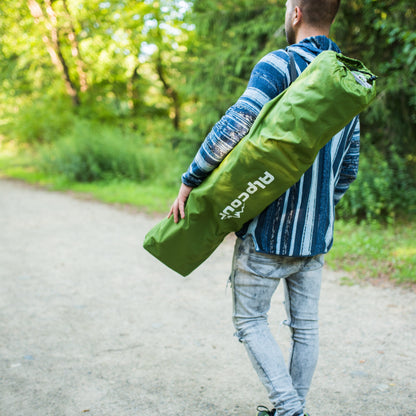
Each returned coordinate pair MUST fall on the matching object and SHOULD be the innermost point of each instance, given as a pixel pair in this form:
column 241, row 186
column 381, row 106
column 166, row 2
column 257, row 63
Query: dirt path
column 92, row 324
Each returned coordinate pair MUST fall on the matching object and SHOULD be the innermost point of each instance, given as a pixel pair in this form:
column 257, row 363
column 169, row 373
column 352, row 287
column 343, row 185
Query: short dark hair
column 318, row 12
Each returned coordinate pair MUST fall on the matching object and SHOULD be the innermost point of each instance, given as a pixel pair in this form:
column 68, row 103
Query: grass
column 375, row 251
column 366, row 251
column 150, row 197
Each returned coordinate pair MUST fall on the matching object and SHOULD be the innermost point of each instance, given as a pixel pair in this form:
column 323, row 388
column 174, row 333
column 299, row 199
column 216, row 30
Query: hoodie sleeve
column 349, row 167
column 268, row 79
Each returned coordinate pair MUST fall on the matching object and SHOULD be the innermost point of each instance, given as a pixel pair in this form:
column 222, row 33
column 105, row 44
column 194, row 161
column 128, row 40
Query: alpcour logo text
column 236, row 207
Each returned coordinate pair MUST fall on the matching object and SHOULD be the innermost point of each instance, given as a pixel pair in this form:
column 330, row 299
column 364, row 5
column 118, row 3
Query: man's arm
column 269, row 77
column 349, row 168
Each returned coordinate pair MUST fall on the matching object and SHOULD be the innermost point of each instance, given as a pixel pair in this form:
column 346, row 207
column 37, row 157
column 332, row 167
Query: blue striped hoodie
column 301, row 221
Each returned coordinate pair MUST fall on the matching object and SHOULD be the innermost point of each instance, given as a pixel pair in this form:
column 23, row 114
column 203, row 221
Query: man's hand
column 178, row 207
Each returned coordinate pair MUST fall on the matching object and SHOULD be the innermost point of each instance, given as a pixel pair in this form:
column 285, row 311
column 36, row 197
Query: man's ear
column 297, row 16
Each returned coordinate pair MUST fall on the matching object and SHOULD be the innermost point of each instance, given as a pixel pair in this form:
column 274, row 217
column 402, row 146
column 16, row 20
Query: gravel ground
column 91, row 324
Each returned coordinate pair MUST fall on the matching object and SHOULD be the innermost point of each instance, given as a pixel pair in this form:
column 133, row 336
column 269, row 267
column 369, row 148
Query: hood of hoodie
column 310, row 47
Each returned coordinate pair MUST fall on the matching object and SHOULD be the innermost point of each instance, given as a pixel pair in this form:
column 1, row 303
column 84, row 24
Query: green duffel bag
column 281, row 145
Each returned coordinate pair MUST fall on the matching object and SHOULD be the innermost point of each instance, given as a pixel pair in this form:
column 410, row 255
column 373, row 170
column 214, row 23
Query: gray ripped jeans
column 254, row 279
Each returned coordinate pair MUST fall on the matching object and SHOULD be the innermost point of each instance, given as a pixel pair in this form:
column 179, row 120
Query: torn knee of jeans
column 301, row 325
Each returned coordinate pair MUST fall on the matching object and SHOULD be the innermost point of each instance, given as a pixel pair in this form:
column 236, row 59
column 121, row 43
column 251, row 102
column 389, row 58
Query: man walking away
column 287, row 241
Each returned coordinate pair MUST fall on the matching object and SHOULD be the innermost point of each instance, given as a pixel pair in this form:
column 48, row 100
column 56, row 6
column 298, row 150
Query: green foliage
column 383, row 35
column 25, row 67
column 92, row 152
column 41, row 120
column 230, row 38
column 146, row 195
column 128, row 51
column 383, row 188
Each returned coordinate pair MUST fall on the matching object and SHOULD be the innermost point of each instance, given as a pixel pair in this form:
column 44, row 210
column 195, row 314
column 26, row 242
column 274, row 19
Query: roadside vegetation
column 377, row 251
column 112, row 99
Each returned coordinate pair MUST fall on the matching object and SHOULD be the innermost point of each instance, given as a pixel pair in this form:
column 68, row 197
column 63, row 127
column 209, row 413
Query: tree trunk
column 132, row 91
column 170, row 92
column 53, row 46
column 75, row 50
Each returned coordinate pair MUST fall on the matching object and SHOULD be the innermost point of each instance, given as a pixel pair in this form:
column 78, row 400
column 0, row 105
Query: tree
column 118, row 58
column 383, row 35
column 230, row 38
column 47, row 17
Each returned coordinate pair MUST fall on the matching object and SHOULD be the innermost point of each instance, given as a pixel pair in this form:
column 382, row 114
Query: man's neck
column 307, row 32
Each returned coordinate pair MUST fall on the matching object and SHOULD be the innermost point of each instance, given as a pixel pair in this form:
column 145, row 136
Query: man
column 288, row 240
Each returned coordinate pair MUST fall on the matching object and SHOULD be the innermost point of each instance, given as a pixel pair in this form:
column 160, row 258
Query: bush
column 383, row 190
column 92, row 152
column 42, row 120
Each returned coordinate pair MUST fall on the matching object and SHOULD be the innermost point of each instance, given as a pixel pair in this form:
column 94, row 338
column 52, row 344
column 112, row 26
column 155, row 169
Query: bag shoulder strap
column 292, row 67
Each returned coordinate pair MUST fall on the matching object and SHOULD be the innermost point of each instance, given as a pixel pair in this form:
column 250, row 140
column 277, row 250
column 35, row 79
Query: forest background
column 115, row 97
